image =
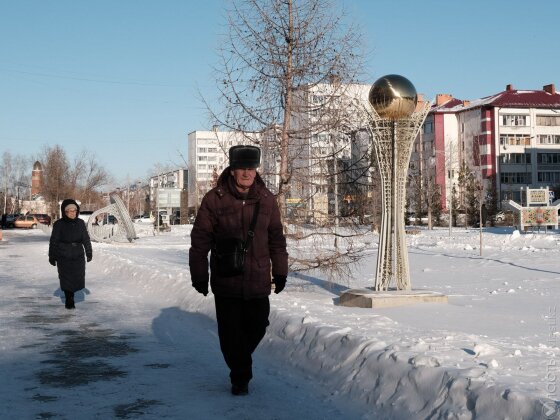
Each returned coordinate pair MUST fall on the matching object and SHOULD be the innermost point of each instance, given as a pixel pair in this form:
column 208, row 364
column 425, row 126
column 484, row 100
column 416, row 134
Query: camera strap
column 251, row 231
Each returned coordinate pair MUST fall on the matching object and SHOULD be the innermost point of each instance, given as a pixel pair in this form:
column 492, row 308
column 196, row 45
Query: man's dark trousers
column 241, row 326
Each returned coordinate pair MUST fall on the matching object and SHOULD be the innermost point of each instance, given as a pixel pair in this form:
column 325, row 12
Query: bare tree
column 82, row 179
column 160, row 168
column 56, row 169
column 5, row 172
column 15, row 172
column 88, row 177
column 285, row 70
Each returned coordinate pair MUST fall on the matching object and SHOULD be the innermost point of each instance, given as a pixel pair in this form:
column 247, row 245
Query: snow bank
column 395, row 381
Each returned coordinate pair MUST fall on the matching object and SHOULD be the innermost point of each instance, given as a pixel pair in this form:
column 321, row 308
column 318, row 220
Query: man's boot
column 240, row 388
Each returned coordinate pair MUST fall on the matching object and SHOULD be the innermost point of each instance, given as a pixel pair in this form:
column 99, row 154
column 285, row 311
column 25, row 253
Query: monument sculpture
column 393, row 120
column 121, row 228
column 538, row 210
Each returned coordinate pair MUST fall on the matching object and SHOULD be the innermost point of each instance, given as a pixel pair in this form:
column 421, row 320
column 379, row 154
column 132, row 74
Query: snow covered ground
column 142, row 342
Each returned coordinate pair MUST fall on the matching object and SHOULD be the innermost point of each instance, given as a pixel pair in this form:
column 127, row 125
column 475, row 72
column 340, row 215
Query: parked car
column 43, row 218
column 10, row 219
column 144, row 220
column 500, row 216
column 28, row 222
column 506, row 217
column 163, row 218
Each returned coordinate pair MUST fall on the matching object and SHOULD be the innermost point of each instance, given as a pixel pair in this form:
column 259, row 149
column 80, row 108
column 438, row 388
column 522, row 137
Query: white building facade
column 326, row 148
column 208, row 157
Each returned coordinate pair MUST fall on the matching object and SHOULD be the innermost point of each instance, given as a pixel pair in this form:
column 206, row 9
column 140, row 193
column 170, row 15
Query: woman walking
column 68, row 244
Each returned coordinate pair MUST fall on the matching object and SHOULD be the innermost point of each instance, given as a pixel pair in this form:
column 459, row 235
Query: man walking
column 239, row 223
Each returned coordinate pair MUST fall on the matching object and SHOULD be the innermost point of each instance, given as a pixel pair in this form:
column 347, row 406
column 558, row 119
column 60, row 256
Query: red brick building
column 511, row 138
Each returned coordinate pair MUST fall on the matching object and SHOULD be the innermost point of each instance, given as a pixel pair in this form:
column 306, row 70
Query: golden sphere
column 393, row 97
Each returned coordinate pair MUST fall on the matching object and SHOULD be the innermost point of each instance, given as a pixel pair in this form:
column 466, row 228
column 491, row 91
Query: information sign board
column 169, row 197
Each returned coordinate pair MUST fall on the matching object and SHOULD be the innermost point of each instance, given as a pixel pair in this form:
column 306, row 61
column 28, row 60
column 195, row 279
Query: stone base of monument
column 368, row 298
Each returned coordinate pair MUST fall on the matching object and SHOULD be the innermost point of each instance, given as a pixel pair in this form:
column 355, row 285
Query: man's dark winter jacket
column 69, row 239
column 225, row 213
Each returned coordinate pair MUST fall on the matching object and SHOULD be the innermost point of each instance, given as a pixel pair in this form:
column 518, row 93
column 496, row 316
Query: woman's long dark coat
column 68, row 244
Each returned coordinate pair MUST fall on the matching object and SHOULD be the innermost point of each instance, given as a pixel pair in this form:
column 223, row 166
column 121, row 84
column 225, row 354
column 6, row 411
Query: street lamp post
column 451, row 207
column 137, row 196
column 480, row 204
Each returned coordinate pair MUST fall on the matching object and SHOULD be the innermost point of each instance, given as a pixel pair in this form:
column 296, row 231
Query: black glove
column 52, row 261
column 88, row 258
column 201, row 287
column 279, row 282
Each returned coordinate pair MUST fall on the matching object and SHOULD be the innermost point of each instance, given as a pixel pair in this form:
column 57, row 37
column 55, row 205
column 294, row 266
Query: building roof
column 449, row 106
column 509, row 98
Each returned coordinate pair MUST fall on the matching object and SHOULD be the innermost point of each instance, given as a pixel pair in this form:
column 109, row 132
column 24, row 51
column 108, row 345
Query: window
column 515, row 178
column 202, row 150
column 317, row 99
column 514, row 120
column 549, row 139
column 515, row 140
column 516, row 158
column 548, row 158
column 428, row 127
column 548, row 177
column 548, row 120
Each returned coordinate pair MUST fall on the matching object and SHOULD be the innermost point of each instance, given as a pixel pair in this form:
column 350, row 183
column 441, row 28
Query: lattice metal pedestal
column 393, row 141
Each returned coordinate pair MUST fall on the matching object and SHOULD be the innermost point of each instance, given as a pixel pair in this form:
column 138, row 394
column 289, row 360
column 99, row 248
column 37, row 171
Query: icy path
column 125, row 353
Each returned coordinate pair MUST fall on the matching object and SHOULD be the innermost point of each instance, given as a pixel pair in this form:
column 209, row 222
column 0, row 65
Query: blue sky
column 120, row 77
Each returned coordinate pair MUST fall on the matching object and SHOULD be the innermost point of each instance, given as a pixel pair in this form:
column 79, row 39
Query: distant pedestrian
column 239, row 222
column 68, row 246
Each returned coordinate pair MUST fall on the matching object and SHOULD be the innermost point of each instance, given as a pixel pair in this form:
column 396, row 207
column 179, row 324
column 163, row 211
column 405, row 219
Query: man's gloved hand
column 89, row 258
column 279, row 282
column 201, row 287
column 52, row 262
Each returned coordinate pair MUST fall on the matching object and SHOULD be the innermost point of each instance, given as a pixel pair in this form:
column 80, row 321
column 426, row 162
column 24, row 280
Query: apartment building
column 326, row 147
column 171, row 186
column 208, row 157
column 511, row 139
